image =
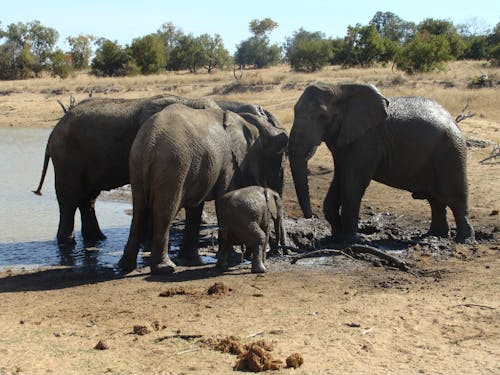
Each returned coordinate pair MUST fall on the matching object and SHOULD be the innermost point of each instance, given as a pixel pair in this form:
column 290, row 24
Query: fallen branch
column 462, row 116
column 393, row 261
column 482, row 307
column 178, row 336
column 494, row 154
column 356, row 250
column 187, row 351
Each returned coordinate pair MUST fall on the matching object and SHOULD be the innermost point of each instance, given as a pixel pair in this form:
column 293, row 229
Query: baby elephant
column 244, row 217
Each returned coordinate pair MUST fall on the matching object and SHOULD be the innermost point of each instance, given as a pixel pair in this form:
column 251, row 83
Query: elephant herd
column 179, row 153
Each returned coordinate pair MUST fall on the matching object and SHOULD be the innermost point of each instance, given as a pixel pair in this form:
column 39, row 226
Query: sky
column 125, row 20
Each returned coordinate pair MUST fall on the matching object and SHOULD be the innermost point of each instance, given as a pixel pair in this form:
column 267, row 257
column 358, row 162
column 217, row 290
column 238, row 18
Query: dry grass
column 277, row 88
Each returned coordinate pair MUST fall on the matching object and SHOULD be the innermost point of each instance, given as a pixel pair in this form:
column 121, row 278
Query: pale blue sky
column 125, row 20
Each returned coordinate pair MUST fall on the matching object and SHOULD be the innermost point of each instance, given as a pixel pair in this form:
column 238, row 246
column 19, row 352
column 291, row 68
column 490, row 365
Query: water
column 28, row 223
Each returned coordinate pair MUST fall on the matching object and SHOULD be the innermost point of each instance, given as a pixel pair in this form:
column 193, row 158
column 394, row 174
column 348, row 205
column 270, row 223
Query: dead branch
column 72, row 103
column 482, row 307
column 355, row 251
column 391, row 260
column 62, row 106
column 462, row 116
column 238, row 78
column 495, row 153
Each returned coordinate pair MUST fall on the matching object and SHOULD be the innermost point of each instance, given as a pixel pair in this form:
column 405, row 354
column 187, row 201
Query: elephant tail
column 38, row 191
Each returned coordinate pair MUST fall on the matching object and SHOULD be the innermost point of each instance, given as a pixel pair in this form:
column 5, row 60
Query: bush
column 148, row 52
column 308, row 52
column 60, row 64
column 112, row 60
column 425, row 53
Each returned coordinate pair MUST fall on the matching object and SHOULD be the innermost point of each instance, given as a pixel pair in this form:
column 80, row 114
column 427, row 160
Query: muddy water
column 28, row 223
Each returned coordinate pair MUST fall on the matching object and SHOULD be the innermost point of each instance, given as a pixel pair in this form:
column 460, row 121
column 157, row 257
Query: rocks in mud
column 294, row 360
column 101, row 345
column 142, row 330
column 173, row 292
column 256, row 356
column 219, row 289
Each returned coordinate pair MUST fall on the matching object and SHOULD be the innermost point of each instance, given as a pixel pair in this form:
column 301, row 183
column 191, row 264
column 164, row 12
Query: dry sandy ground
column 341, row 315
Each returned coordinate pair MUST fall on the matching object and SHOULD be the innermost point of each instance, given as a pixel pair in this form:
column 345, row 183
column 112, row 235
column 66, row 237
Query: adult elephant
column 90, row 146
column 411, row 143
column 183, row 157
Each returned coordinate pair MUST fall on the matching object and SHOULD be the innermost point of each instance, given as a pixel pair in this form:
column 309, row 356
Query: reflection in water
column 28, row 223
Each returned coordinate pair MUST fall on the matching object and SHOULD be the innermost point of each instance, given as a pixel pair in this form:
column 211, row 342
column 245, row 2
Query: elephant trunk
column 298, row 165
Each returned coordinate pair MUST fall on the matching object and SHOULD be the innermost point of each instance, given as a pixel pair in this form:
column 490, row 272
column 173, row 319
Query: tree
column 494, row 45
column 170, row 35
column 261, row 28
column 425, row 53
column 308, row 51
column 391, row 26
column 60, row 64
column 148, row 53
column 16, row 58
column 216, row 56
column 187, row 54
column 42, row 41
column 112, row 60
column 448, row 31
column 81, row 50
column 256, row 50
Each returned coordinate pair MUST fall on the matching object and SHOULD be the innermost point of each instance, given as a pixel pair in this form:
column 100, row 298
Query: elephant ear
column 364, row 108
column 238, row 135
column 271, row 203
column 274, row 139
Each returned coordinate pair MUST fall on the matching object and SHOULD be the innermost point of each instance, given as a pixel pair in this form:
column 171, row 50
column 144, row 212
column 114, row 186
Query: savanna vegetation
column 30, row 49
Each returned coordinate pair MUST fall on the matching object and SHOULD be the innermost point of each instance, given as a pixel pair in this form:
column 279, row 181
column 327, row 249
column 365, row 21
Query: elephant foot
column 258, row 268
column 189, row 260
column 93, row 237
column 167, row 267
column 221, row 267
column 466, row 238
column 64, row 241
column 441, row 233
column 127, row 264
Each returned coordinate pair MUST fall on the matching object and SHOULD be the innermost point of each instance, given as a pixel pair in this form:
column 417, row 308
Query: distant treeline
column 28, row 50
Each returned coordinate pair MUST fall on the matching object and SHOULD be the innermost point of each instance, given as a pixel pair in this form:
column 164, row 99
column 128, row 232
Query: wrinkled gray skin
column 411, row 143
column 183, row 157
column 245, row 217
column 89, row 148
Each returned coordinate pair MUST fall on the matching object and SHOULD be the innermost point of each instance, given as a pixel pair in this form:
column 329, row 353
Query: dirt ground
column 341, row 315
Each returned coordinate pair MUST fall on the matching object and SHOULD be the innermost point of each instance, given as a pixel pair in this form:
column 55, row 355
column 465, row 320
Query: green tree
column 308, row 51
column 391, row 26
column 170, row 35
column 257, row 51
column 187, row 54
column 42, row 41
column 216, row 56
column 260, row 28
column 425, row 53
column 448, row 31
column 494, row 45
column 60, row 64
column 148, row 53
column 112, row 60
column 16, row 58
column 81, row 50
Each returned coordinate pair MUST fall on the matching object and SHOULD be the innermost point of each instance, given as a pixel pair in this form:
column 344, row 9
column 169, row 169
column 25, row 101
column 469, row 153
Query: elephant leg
column 225, row 248
column 465, row 232
column 160, row 261
column 257, row 248
column 128, row 261
column 65, row 235
column 331, row 206
column 91, row 231
column 439, row 224
column 188, row 254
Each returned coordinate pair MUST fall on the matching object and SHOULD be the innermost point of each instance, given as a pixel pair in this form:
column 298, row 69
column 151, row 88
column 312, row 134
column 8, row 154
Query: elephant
column 90, row 146
column 182, row 157
column 410, row 143
column 244, row 217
